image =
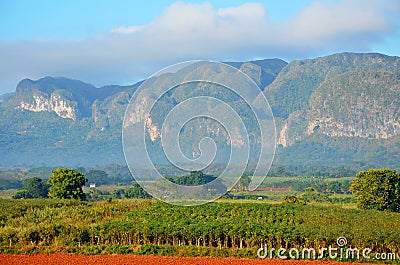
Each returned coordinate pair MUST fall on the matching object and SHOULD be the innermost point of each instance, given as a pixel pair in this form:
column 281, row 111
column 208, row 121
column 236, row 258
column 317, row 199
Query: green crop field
column 222, row 228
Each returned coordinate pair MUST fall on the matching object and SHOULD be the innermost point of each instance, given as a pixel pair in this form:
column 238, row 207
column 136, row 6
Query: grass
column 7, row 194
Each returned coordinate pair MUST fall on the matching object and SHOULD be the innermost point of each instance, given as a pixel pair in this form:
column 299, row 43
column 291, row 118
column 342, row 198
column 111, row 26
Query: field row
column 118, row 226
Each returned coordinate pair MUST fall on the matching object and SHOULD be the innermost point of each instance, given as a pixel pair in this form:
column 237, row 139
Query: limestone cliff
column 54, row 103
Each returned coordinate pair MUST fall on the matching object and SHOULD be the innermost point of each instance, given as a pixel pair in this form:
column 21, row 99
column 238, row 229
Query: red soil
column 56, row 259
column 274, row 189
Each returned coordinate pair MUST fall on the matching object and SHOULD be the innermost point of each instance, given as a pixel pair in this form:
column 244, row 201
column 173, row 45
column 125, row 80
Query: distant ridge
column 341, row 109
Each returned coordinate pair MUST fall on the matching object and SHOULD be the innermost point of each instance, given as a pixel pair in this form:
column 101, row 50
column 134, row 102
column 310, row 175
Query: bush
column 377, row 189
column 22, row 194
column 67, row 184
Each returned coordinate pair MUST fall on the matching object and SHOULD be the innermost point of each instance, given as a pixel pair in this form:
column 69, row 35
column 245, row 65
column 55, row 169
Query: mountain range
column 337, row 110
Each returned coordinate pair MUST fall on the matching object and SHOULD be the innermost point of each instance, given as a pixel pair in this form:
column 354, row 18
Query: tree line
column 372, row 189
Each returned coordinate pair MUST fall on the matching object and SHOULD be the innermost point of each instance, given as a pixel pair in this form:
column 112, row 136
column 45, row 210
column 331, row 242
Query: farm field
column 224, row 229
column 43, row 259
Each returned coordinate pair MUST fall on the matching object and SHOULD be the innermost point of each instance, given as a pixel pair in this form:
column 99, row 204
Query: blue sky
column 80, row 19
column 121, row 42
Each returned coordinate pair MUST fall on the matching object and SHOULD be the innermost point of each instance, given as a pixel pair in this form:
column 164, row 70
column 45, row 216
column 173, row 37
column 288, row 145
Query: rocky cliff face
column 357, row 104
column 344, row 106
column 68, row 98
column 263, row 72
column 63, row 96
column 342, row 95
column 292, row 89
column 55, row 103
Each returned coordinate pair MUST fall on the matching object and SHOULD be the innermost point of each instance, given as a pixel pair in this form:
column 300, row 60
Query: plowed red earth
column 48, row 259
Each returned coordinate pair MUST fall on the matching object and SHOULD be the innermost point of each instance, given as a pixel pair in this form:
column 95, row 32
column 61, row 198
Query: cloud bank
column 199, row 31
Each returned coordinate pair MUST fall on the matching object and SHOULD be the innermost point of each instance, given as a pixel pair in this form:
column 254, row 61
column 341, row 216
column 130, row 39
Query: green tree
column 22, row 194
column 312, row 195
column 335, row 187
column 193, row 179
column 33, row 188
column 136, row 192
column 66, row 184
column 377, row 189
column 98, row 177
column 36, row 187
column 118, row 193
column 292, row 199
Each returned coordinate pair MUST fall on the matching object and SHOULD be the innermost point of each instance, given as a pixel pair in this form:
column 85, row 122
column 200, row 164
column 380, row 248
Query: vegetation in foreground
column 68, row 223
column 146, row 226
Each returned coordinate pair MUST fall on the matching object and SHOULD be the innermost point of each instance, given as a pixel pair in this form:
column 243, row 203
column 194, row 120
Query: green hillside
column 338, row 110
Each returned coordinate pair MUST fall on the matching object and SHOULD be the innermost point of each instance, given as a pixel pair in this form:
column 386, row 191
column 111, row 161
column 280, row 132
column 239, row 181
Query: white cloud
column 324, row 22
column 199, row 31
column 127, row 30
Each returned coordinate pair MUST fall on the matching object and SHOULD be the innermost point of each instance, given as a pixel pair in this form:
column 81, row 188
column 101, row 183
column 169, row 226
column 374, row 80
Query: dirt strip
column 71, row 259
